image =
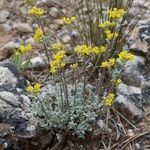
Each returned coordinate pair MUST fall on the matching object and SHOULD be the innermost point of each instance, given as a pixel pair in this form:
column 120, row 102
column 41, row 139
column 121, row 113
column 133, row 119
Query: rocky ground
column 17, row 125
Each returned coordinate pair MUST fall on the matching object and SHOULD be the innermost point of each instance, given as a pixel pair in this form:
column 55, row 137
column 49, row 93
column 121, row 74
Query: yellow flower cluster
column 57, row 46
column 108, row 64
column 88, row 50
column 38, row 35
column 74, row 66
column 68, row 20
column 109, row 99
column 34, row 11
column 57, row 63
column 125, row 56
column 116, row 13
column 34, row 89
column 23, row 49
column 110, row 35
column 106, row 24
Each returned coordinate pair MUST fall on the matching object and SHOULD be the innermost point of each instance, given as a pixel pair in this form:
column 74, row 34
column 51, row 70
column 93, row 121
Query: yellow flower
column 116, row 13
column 37, row 87
column 109, row 99
column 68, row 20
column 106, row 24
column 119, row 81
column 25, row 48
column 108, row 64
column 56, row 66
column 34, row 89
column 17, row 54
column 125, row 56
column 34, row 11
column 104, row 64
column 74, row 66
column 110, row 35
column 57, row 63
column 30, row 89
column 57, row 46
column 38, row 36
column 102, row 49
column 60, row 55
column 111, row 62
column 53, row 69
column 88, row 50
column 73, row 19
column 62, row 65
column 83, row 49
column 95, row 50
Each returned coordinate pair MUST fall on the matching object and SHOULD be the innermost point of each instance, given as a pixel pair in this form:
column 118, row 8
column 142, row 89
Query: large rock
column 146, row 92
column 144, row 31
column 134, row 72
column 14, row 105
column 129, row 102
column 139, row 40
column 18, row 126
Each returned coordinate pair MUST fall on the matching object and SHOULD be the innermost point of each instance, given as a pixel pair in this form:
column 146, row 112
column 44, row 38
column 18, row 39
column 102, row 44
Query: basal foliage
column 76, row 117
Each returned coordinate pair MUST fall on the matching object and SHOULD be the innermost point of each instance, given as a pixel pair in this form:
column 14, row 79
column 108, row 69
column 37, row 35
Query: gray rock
column 54, row 12
column 144, row 31
column 128, row 90
column 4, row 14
column 14, row 101
column 30, row 41
column 37, row 63
column 134, row 71
column 5, row 28
column 140, row 37
column 133, row 94
column 66, row 39
column 12, row 45
column 139, row 45
column 11, row 77
column 146, row 92
column 129, row 100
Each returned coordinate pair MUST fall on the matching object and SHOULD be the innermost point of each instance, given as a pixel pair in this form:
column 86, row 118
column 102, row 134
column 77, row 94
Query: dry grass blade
column 124, row 118
column 129, row 140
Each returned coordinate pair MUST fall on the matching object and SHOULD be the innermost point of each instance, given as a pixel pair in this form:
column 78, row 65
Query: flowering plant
column 85, row 88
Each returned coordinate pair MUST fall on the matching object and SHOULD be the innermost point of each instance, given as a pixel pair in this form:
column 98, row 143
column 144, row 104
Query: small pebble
column 23, row 27
column 137, row 146
column 66, row 39
column 130, row 133
column 54, row 12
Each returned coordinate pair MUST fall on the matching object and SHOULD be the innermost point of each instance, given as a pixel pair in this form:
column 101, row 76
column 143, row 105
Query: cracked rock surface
column 14, row 104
